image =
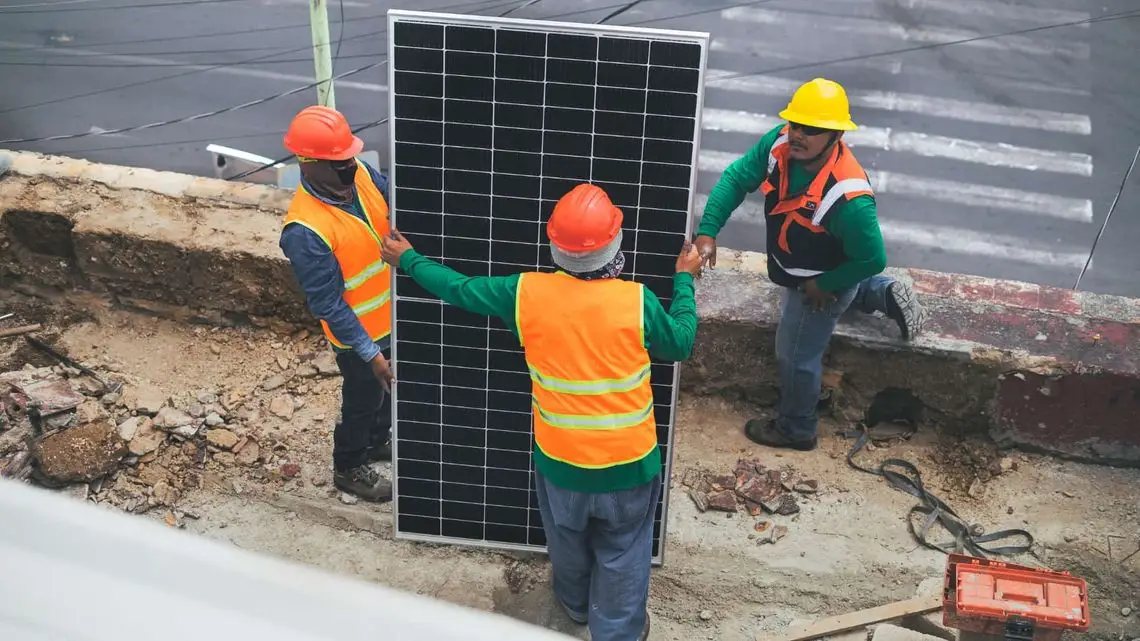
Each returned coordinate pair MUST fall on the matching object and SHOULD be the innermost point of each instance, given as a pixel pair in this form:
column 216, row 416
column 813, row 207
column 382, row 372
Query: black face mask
column 346, row 173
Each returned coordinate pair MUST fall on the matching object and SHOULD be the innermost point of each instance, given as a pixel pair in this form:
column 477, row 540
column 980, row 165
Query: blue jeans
column 801, row 340
column 601, row 547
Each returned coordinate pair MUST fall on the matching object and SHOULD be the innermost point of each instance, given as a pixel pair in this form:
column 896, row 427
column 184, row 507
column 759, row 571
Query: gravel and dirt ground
column 227, row 433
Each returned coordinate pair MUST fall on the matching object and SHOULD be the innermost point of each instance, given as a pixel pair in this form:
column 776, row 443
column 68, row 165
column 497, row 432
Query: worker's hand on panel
column 393, row 247
column 819, row 298
column 383, row 371
column 706, row 247
column 689, row 260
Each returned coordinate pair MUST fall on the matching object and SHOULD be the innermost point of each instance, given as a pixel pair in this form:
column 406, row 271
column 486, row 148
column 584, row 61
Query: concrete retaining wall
column 1036, row 367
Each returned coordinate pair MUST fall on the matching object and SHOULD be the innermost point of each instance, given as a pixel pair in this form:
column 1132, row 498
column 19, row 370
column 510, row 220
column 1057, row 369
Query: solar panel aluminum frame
column 700, row 39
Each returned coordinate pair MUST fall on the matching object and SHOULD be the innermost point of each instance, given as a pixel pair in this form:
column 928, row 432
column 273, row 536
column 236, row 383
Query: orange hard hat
column 584, row 220
column 322, row 133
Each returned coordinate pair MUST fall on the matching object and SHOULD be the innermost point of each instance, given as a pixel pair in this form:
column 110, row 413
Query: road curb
column 1035, row 367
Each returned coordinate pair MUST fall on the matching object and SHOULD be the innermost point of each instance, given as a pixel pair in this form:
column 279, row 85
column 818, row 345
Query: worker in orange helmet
column 587, row 337
column 331, row 236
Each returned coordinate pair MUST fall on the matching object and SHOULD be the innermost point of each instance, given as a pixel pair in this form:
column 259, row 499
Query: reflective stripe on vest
column 809, row 208
column 591, row 396
column 356, row 246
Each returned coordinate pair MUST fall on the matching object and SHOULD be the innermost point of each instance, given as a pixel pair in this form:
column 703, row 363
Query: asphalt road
column 996, row 156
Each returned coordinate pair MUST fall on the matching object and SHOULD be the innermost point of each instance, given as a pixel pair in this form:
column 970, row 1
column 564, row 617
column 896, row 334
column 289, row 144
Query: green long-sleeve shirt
column 668, row 336
column 853, row 222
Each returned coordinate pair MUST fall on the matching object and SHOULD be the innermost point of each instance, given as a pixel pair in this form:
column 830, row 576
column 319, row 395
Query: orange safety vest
column 356, row 246
column 798, row 242
column 589, row 368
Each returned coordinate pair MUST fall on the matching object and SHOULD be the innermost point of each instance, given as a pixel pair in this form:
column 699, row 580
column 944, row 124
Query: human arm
column 669, row 336
column 486, row 295
column 318, row 273
column 856, row 225
column 739, row 179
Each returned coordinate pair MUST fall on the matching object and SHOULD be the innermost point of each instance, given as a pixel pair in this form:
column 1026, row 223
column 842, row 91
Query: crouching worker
column 587, row 336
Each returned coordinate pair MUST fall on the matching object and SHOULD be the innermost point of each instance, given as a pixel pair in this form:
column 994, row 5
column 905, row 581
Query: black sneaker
column 645, row 631
column 904, row 310
column 364, row 482
column 765, row 432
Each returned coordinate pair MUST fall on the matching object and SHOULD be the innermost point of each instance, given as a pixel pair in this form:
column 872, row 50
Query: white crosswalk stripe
column 912, row 103
column 878, row 28
column 945, row 238
column 988, row 172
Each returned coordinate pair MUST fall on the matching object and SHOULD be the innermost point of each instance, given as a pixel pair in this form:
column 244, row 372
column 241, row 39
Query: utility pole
column 322, row 51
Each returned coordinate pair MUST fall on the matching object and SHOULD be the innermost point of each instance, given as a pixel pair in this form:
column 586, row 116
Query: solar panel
column 492, row 121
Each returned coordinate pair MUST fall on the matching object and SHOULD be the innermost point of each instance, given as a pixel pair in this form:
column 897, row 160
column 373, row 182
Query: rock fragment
column 725, row 501
column 282, row 406
column 81, row 454
column 168, row 418
column 221, row 438
column 325, row 362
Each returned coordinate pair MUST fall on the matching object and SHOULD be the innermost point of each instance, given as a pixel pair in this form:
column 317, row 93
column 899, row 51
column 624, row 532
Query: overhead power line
column 204, row 69
column 114, row 7
column 201, row 116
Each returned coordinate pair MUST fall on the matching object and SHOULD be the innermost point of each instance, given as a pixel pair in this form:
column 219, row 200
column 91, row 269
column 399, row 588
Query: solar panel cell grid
column 492, row 124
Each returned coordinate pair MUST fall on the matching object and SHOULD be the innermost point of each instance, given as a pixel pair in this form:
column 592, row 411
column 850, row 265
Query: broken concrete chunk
column 221, row 438
column 146, row 438
column 325, row 362
column 722, row 481
column 130, row 427
column 90, row 411
column 283, row 361
column 168, row 418
column 273, row 382
column 249, row 453
column 758, row 488
column 700, row 499
column 806, row 487
column 166, row 495
column 84, row 453
column 306, row 371
column 213, row 420
column 148, row 400
column 724, row 501
column 290, row 470
column 788, row 505
column 47, row 398
column 282, row 405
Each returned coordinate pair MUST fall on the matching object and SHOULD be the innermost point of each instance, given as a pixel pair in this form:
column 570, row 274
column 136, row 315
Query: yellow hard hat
column 820, row 103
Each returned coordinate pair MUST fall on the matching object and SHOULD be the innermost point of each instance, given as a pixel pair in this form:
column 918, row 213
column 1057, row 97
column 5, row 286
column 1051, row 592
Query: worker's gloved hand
column 689, row 260
column 706, row 247
column 393, row 247
column 382, row 371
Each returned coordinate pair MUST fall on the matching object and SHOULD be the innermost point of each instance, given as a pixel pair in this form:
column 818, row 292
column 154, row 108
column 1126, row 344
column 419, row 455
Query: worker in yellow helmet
column 824, row 247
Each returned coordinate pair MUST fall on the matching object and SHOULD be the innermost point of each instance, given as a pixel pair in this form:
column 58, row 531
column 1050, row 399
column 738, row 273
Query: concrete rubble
column 754, row 488
column 136, row 448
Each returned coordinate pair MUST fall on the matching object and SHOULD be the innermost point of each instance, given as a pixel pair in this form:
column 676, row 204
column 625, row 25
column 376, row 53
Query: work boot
column 365, row 482
column 903, row 308
column 766, row 432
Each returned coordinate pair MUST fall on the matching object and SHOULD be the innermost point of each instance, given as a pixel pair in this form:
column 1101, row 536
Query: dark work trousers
column 365, row 412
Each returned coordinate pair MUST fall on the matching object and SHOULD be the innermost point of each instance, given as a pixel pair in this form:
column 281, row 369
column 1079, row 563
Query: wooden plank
column 18, row 331
column 861, row 619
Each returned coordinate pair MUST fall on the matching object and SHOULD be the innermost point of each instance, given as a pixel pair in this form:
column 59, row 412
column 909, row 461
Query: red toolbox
column 1012, row 601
